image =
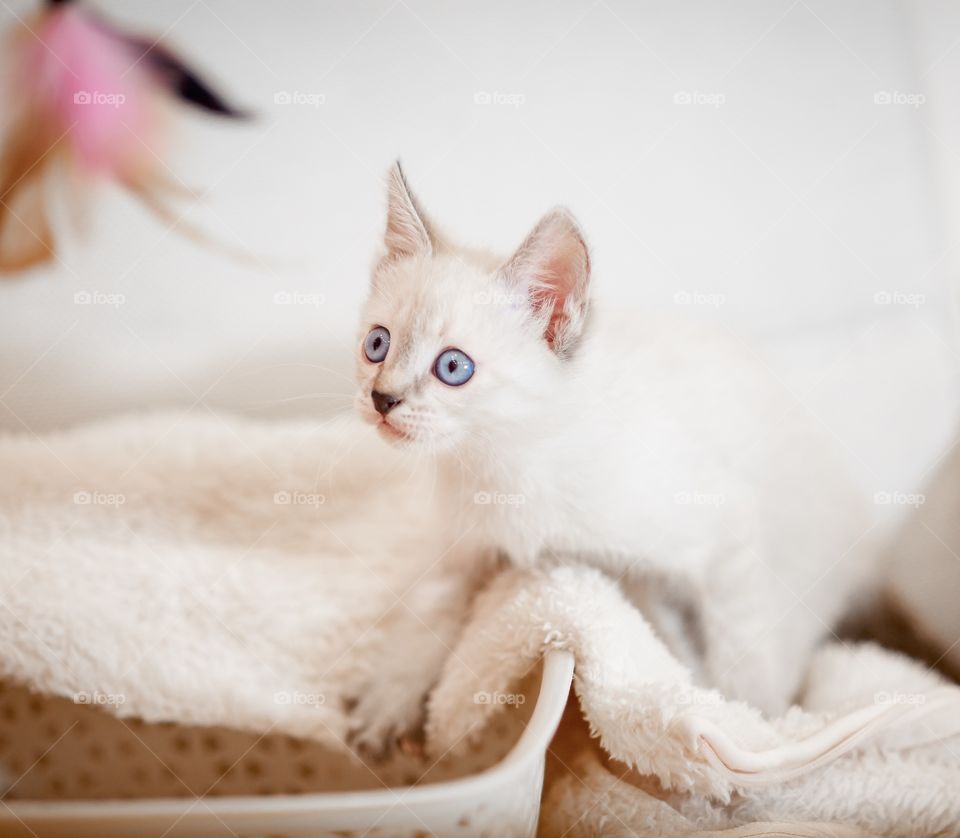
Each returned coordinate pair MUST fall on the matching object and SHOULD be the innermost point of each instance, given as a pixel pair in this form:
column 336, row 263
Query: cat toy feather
column 92, row 99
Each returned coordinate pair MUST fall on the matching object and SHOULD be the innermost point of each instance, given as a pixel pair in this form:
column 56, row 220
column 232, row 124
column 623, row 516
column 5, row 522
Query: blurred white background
column 789, row 169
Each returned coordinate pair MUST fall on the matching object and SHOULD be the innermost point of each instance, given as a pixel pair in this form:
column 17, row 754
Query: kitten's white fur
column 659, row 451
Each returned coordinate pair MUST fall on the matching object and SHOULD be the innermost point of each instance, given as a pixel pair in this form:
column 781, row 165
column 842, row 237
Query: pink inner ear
column 554, row 265
column 93, row 89
column 560, row 277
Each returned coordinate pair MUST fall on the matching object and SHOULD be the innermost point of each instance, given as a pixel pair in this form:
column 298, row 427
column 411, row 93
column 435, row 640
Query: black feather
column 181, row 80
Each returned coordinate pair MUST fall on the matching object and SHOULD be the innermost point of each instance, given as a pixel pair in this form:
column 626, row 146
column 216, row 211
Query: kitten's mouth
column 391, row 431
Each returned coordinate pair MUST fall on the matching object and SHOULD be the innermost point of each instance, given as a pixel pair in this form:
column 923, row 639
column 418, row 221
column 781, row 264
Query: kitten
column 658, row 451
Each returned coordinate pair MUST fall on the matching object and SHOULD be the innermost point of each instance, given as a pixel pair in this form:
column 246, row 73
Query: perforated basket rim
column 532, row 746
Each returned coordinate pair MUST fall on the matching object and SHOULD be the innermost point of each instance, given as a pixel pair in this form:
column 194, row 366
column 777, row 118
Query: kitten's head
column 457, row 348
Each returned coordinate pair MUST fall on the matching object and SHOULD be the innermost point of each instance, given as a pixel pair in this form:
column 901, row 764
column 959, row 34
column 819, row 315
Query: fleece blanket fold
column 200, row 566
column 873, row 744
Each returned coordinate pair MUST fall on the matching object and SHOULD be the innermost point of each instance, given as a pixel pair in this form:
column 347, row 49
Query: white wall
column 797, row 199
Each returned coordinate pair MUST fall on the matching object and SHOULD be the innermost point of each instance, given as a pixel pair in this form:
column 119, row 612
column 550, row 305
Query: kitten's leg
column 755, row 634
column 668, row 604
column 418, row 634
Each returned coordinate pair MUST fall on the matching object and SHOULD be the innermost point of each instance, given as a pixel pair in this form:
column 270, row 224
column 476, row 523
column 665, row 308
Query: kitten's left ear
column 552, row 267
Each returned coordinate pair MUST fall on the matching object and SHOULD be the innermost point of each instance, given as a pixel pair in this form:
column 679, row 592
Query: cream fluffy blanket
column 203, row 566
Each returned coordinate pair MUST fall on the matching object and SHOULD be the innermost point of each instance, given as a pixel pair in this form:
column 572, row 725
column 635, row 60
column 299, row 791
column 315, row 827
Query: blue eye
column 376, row 344
column 454, row 367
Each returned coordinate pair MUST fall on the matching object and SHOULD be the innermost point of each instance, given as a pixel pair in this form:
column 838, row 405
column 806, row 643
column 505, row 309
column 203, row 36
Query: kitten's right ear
column 406, row 233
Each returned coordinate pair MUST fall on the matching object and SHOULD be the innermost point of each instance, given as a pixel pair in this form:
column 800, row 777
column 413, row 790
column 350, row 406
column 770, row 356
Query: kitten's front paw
column 382, row 720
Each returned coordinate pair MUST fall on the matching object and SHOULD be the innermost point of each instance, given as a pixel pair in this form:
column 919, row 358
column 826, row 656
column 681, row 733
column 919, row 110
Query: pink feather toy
column 92, row 97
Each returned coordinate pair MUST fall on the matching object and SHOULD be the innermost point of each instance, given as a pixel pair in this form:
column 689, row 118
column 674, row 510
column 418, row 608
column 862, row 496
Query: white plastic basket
column 502, row 800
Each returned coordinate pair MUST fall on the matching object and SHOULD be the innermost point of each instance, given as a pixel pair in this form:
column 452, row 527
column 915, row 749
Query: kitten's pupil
column 377, row 341
column 452, row 365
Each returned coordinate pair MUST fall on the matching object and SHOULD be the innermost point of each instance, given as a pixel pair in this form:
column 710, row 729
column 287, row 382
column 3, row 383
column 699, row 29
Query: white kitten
column 656, row 450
